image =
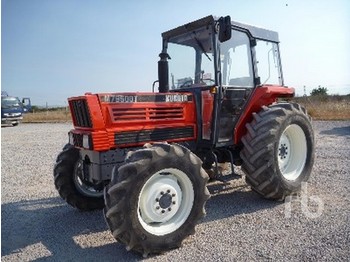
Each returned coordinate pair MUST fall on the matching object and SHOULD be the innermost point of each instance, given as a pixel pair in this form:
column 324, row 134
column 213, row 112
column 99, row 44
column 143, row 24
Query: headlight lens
column 70, row 137
column 86, row 141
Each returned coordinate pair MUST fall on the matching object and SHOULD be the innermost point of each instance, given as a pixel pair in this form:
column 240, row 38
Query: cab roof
column 255, row 32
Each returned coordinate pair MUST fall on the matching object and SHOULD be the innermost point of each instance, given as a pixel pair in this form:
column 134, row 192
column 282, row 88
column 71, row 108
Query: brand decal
column 168, row 98
column 176, row 98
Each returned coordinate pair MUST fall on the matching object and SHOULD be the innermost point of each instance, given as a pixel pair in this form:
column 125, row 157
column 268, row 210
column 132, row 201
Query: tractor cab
column 222, row 62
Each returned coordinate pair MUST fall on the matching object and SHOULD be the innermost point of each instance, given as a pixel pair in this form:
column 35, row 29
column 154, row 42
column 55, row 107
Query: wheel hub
column 165, row 201
column 283, row 151
column 160, row 200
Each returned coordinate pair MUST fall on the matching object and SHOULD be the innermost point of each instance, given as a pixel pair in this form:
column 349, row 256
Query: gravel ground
column 37, row 225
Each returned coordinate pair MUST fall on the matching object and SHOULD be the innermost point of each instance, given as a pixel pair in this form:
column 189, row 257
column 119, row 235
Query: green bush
column 320, row 91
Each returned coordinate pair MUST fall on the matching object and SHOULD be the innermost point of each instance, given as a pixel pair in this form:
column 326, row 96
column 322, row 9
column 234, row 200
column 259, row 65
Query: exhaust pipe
column 163, row 73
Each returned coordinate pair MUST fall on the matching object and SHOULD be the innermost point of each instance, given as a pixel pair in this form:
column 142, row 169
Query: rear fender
column 261, row 96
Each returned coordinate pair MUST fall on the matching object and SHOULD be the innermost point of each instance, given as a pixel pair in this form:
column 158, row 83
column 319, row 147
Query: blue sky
column 54, row 49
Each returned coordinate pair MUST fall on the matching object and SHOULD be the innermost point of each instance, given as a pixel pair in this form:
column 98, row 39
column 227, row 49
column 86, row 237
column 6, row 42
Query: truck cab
column 11, row 110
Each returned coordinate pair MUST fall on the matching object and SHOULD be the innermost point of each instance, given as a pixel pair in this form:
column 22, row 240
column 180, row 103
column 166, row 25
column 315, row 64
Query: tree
column 320, row 91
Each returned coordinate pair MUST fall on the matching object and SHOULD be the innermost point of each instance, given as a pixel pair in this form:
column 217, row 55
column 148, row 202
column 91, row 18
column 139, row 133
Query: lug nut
column 163, row 211
column 169, row 209
column 168, row 191
column 157, row 207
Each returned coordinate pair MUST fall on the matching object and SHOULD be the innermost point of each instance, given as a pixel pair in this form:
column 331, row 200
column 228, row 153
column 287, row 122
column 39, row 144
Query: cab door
column 237, row 83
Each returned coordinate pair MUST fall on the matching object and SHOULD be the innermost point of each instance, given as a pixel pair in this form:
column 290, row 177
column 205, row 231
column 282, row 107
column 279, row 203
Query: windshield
column 191, row 59
column 7, row 102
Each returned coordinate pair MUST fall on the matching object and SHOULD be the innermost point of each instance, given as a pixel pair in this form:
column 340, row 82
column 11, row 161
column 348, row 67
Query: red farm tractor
column 144, row 157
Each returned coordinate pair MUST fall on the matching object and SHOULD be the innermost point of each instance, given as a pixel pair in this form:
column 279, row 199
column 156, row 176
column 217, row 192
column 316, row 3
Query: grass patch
column 326, row 108
column 48, row 116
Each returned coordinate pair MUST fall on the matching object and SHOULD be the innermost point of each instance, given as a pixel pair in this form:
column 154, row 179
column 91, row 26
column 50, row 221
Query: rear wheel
column 70, row 183
column 278, row 151
column 155, row 200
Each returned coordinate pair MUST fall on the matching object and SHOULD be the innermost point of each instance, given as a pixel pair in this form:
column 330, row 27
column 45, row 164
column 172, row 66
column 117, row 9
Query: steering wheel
column 205, row 81
column 187, row 83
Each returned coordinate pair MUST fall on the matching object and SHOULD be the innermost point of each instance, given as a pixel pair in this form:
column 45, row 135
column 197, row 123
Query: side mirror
column 225, row 28
column 27, row 106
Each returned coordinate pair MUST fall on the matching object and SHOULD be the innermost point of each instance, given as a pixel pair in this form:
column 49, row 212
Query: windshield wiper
column 198, row 43
column 201, row 47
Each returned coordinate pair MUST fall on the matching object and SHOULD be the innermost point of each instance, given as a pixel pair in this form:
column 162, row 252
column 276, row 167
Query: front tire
column 70, row 184
column 278, row 152
column 155, row 200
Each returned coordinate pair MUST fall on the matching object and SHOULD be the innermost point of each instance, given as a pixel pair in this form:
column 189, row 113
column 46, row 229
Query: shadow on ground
column 338, row 131
column 54, row 224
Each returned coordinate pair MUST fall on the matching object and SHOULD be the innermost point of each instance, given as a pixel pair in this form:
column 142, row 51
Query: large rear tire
column 156, row 198
column 70, row 184
column 278, row 152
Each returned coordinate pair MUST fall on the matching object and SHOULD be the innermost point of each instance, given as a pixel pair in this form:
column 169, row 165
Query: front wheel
column 155, row 200
column 70, row 182
column 278, row 152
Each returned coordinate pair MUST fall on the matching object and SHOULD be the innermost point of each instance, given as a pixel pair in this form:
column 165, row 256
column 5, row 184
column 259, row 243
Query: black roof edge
column 256, row 32
column 189, row 26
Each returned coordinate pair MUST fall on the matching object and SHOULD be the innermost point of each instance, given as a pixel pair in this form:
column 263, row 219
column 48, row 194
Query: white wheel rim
column 82, row 187
column 165, row 201
column 292, row 152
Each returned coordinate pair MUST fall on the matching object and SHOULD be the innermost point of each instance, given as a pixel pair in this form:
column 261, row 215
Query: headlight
column 86, row 141
column 80, row 140
column 70, row 137
column 6, row 114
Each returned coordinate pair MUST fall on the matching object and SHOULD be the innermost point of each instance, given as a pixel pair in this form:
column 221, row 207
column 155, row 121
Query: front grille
column 161, row 134
column 165, row 113
column 80, row 112
column 149, row 113
column 128, row 114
